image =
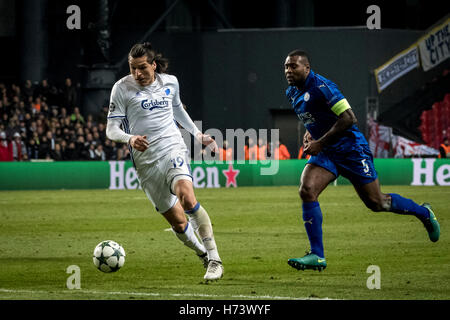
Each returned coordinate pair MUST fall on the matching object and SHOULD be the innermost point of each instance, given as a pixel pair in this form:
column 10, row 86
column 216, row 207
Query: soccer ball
column 109, row 256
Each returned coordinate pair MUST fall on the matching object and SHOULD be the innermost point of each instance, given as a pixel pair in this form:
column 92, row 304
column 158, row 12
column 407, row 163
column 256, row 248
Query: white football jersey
column 147, row 111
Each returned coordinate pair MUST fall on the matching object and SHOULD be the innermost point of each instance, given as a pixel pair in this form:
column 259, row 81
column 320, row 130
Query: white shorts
column 158, row 179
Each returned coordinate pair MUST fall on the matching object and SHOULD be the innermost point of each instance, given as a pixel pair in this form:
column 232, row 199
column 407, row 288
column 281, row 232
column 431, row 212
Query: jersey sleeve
column 116, row 105
column 176, row 102
column 180, row 115
column 334, row 98
column 114, row 132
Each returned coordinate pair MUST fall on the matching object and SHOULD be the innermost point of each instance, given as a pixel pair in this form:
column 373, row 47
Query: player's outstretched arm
column 183, row 118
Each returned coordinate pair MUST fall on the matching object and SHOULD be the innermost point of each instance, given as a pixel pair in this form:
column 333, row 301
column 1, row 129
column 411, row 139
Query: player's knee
column 307, row 193
column 188, row 201
column 186, row 196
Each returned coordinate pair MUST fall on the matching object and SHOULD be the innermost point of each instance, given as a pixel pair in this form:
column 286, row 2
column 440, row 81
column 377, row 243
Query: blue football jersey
column 318, row 105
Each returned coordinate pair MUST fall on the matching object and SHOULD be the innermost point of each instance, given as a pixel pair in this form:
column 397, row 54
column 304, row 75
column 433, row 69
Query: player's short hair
column 146, row 49
column 300, row 53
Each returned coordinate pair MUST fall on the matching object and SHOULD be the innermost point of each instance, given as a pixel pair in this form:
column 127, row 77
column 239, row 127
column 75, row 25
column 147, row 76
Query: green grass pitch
column 257, row 230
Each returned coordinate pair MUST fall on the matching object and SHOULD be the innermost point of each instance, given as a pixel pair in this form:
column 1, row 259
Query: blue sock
column 312, row 216
column 407, row 206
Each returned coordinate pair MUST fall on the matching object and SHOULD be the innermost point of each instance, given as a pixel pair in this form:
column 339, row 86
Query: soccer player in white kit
column 143, row 107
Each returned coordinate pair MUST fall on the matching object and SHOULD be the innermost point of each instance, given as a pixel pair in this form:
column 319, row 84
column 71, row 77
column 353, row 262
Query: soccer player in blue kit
column 337, row 147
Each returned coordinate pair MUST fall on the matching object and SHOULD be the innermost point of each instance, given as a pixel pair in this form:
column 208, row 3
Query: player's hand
column 313, row 147
column 139, row 143
column 307, row 138
column 206, row 140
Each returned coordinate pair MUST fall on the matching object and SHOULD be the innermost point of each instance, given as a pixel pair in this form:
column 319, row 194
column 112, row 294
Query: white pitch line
column 152, row 294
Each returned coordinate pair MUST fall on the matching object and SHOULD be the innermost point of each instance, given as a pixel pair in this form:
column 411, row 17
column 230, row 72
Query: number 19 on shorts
column 177, row 162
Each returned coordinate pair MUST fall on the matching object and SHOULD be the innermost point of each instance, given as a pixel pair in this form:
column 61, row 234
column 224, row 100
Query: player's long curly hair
column 146, row 49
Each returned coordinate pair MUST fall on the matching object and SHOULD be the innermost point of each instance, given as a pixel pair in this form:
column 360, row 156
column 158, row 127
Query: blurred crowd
column 42, row 121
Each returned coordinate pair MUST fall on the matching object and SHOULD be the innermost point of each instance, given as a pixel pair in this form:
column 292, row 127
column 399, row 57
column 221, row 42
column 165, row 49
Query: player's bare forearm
column 344, row 122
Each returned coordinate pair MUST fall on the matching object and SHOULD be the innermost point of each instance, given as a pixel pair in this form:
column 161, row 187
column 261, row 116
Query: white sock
column 190, row 240
column 202, row 226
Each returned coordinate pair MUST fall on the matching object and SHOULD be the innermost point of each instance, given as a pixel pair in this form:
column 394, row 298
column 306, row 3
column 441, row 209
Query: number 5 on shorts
column 365, row 165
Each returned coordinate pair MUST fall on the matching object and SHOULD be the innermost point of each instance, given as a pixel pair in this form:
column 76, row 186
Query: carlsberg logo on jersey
column 152, row 104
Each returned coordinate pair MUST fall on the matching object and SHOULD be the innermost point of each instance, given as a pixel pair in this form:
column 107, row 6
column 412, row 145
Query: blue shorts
column 354, row 162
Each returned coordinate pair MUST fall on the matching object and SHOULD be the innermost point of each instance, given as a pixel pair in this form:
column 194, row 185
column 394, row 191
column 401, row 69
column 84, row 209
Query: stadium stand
column 435, row 123
column 43, row 122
